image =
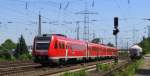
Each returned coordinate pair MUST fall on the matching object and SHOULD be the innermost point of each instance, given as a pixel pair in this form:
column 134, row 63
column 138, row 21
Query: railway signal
column 116, row 30
column 116, row 22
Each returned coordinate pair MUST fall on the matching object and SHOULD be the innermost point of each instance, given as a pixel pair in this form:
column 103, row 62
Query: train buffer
column 144, row 69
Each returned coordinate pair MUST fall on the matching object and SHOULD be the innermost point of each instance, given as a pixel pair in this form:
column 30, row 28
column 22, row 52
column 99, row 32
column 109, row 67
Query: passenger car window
column 63, row 45
column 56, row 45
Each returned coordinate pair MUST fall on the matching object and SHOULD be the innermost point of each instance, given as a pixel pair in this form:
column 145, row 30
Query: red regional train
column 57, row 48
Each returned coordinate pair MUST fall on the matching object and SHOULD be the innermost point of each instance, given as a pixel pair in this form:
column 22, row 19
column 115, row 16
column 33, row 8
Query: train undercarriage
column 45, row 60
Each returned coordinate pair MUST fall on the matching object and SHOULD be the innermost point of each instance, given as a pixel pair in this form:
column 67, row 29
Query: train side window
column 66, row 47
column 59, row 45
column 63, row 45
column 56, row 45
column 69, row 47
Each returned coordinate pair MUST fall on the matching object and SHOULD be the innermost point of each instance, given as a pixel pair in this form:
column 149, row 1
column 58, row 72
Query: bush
column 2, row 58
column 13, row 58
column 25, row 57
column 6, row 57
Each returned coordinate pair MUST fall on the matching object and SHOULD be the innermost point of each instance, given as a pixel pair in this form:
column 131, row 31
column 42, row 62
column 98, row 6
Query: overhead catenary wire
column 24, row 13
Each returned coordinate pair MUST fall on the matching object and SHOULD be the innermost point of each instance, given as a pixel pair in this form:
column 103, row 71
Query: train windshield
column 42, row 46
column 42, row 42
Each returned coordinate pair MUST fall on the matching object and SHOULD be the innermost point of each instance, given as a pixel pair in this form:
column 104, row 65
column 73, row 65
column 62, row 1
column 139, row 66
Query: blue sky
column 24, row 18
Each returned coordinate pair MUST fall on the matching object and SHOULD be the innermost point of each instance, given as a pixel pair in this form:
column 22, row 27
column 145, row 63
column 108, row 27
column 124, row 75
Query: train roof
column 64, row 37
column 68, row 39
column 93, row 44
column 49, row 35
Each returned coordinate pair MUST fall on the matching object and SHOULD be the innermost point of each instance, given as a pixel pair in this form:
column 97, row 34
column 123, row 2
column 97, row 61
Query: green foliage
column 103, row 67
column 78, row 73
column 21, row 51
column 6, row 57
column 21, row 48
column 128, row 71
column 110, row 44
column 8, row 45
column 2, row 58
column 145, row 44
column 13, row 58
column 96, row 40
column 6, row 48
column 25, row 57
column 2, row 49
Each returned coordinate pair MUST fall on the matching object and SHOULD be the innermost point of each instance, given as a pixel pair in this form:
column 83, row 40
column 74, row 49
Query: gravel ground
column 144, row 69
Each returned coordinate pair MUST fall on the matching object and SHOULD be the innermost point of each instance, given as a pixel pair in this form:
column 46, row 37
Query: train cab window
column 42, row 46
column 56, row 45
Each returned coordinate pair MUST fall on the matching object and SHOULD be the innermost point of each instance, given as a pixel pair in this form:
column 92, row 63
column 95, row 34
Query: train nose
column 41, row 52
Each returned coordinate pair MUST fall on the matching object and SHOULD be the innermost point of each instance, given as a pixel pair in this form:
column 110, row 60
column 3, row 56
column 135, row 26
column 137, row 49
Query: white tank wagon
column 135, row 52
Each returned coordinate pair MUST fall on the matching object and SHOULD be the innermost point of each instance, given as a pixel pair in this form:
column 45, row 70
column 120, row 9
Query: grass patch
column 130, row 70
column 103, row 67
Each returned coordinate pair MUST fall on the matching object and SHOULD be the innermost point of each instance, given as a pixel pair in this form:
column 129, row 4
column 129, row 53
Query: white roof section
column 136, row 47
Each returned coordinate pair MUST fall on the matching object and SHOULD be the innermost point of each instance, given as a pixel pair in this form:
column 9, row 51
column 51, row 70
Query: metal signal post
column 116, row 40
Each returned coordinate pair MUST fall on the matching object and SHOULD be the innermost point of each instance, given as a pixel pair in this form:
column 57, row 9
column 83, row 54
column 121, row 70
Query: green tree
column 21, row 48
column 110, row 44
column 145, row 44
column 8, row 45
column 96, row 40
column 6, row 49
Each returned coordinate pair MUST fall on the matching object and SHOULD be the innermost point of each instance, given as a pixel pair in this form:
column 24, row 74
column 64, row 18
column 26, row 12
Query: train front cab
column 40, row 48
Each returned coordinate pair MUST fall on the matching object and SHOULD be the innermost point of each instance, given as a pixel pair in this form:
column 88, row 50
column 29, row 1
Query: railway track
column 121, row 64
column 117, row 67
column 87, row 66
column 13, row 67
column 38, row 70
column 14, row 63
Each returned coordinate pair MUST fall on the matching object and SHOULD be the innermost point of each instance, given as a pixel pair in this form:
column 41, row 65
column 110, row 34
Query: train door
column 87, row 51
column 66, row 51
